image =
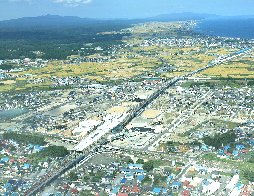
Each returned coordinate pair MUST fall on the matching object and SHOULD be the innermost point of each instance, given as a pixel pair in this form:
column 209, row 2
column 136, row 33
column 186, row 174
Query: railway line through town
column 85, row 152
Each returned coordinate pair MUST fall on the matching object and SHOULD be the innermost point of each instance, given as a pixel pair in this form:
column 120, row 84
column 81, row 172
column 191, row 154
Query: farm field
column 165, row 46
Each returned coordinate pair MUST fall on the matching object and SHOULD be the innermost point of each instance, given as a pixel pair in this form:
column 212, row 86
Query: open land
column 196, row 137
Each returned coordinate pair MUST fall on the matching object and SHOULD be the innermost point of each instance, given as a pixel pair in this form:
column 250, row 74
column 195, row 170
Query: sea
column 229, row 27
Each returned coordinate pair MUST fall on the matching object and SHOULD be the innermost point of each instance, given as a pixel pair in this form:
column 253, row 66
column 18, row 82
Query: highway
column 121, row 123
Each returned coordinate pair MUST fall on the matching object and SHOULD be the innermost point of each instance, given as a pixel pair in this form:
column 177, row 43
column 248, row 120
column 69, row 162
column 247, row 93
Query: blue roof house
column 135, row 166
column 30, row 146
column 251, row 142
column 164, row 191
column 220, row 152
column 170, row 177
column 204, row 147
column 115, row 191
column 12, row 182
column 235, row 153
column 38, row 148
column 7, row 193
column 8, row 187
column 226, row 148
column 5, row 159
column 123, row 181
column 176, row 185
column 26, row 166
column 129, row 176
column 140, row 178
column 206, row 182
column 239, row 186
column 240, row 147
column 156, row 191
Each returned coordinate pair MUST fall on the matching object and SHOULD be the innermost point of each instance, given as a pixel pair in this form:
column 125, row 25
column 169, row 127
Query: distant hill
column 60, row 36
column 64, row 21
column 46, row 21
column 56, row 36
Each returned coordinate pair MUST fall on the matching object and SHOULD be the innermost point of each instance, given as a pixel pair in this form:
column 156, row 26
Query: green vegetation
column 140, row 161
column 218, row 140
column 148, row 166
column 97, row 177
column 220, row 82
column 251, row 159
column 53, row 151
column 249, row 175
column 58, row 41
column 211, row 157
column 73, row 176
column 246, row 168
column 129, row 161
column 6, row 66
column 48, row 153
column 171, row 146
column 160, row 181
column 147, row 180
column 24, row 138
column 86, row 193
column 86, row 178
column 197, row 84
column 251, row 83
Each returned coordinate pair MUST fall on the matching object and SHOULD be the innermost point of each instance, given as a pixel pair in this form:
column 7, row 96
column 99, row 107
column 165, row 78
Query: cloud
column 73, row 3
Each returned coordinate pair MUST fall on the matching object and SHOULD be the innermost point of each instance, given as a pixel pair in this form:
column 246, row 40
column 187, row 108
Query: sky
column 109, row 9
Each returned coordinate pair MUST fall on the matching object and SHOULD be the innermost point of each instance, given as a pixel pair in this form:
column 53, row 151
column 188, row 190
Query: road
column 52, row 176
column 179, row 120
column 84, row 144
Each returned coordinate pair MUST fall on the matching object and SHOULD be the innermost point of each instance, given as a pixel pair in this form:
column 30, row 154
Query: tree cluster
column 73, row 176
column 24, row 138
column 249, row 175
column 56, row 42
column 54, row 151
column 220, row 139
column 148, row 166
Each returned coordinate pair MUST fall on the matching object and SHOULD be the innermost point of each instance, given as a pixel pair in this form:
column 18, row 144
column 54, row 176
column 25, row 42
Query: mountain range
column 55, row 20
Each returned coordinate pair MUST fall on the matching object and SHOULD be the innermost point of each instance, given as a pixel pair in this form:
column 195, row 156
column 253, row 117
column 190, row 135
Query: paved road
column 51, row 177
column 179, row 120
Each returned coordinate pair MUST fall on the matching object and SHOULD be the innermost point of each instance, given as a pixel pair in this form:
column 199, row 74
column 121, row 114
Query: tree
column 86, row 178
column 251, row 159
column 140, row 161
column 73, row 176
column 129, row 161
column 220, row 139
column 24, row 138
column 249, row 175
column 148, row 166
column 6, row 66
column 54, row 151
column 86, row 193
